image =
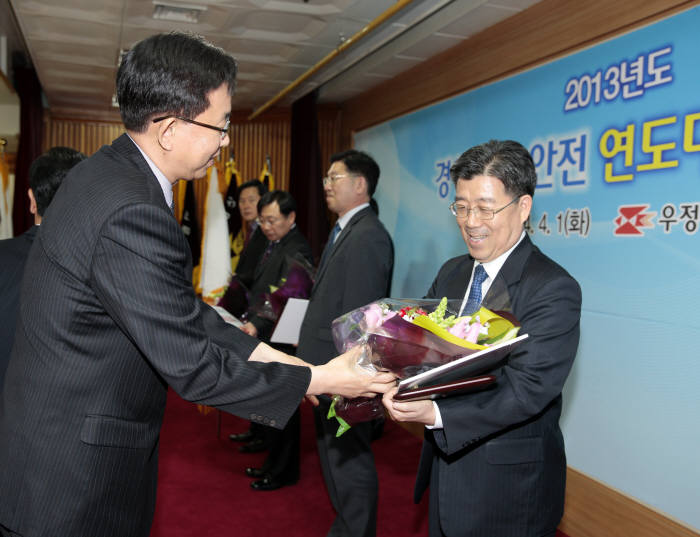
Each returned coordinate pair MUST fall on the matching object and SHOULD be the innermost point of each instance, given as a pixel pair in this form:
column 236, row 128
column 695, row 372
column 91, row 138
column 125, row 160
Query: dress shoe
column 241, row 437
column 254, row 446
column 268, row 483
column 254, row 472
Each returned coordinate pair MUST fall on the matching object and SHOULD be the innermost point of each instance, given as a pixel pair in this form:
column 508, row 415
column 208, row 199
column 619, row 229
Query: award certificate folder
column 289, row 324
column 437, row 391
column 463, row 368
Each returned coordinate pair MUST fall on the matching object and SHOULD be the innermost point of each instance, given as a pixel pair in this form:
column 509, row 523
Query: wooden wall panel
column 545, row 31
column 83, row 135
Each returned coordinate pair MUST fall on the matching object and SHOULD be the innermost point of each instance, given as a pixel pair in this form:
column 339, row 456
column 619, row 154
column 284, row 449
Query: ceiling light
column 177, row 12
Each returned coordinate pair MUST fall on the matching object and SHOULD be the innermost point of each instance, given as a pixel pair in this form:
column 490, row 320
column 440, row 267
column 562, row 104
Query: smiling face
column 488, row 239
column 274, row 224
column 198, row 147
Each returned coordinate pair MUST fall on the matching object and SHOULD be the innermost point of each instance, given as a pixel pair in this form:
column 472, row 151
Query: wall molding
column 595, row 509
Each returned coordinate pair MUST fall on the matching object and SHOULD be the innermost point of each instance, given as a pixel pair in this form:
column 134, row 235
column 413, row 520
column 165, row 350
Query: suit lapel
column 344, row 233
column 498, row 296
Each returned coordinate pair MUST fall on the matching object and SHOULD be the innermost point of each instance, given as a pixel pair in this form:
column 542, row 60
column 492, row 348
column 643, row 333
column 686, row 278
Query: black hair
column 47, row 172
column 284, row 200
column 362, row 164
column 506, row 160
column 170, row 73
column 262, row 189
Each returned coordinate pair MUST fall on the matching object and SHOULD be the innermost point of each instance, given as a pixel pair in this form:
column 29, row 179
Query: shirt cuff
column 438, row 418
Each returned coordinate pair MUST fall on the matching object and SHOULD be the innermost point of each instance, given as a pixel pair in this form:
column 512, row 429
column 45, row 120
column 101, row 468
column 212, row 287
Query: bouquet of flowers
column 235, row 299
column 407, row 337
column 297, row 283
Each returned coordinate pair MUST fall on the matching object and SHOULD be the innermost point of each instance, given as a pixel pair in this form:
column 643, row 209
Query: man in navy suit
column 494, row 460
column 355, row 269
column 45, row 176
column 109, row 318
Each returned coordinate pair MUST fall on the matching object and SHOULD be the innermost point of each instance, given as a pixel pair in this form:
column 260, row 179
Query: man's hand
column 415, row 411
column 249, row 328
column 342, row 376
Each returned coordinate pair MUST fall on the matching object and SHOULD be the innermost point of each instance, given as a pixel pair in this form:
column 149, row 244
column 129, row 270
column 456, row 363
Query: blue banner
column 615, row 133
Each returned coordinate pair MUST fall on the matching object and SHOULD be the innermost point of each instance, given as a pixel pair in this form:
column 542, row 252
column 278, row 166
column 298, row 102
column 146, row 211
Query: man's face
column 198, row 147
column 487, row 239
column 345, row 190
column 248, row 203
column 273, row 223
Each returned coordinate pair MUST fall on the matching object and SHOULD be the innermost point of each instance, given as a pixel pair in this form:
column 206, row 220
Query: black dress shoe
column 241, row 437
column 268, row 483
column 254, row 446
column 254, row 472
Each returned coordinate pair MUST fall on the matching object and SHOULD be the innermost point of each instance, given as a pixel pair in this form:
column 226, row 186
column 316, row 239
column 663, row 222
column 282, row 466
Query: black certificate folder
column 461, row 373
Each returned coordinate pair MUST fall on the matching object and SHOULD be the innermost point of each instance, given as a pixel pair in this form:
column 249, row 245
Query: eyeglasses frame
column 223, row 131
column 493, row 212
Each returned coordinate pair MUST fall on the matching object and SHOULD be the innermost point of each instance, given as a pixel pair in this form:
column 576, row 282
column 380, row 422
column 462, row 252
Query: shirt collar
column 165, row 185
column 343, row 220
column 494, row 266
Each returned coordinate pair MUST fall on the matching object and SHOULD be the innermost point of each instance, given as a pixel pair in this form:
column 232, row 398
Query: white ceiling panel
column 75, row 44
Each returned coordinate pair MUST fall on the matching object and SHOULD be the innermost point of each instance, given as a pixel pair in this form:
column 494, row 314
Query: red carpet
column 202, row 490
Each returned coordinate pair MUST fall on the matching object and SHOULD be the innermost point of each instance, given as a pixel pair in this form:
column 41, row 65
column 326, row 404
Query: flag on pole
column 6, row 196
column 215, row 269
column 190, row 228
column 266, row 177
column 235, row 225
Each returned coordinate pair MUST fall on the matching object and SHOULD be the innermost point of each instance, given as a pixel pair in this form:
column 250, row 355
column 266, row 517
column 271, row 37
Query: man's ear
column 525, row 206
column 32, row 202
column 165, row 133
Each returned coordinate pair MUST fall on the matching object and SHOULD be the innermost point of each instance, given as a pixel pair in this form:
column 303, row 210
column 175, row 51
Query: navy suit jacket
column 357, row 271
column 13, row 256
column 108, row 319
column 498, row 466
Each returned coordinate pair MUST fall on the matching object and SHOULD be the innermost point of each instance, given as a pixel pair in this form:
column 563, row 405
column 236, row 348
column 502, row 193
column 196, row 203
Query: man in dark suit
column 355, row 269
column 45, row 176
column 285, row 243
column 494, row 460
column 249, row 194
column 109, row 318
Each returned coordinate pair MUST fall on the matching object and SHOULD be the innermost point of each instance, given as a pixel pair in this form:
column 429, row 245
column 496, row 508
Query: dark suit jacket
column 498, row 466
column 13, row 256
column 251, row 254
column 108, row 320
column 273, row 269
column 357, row 271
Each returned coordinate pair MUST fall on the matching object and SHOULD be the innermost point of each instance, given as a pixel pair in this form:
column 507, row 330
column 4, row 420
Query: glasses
column 331, row 179
column 223, row 131
column 480, row 213
column 269, row 221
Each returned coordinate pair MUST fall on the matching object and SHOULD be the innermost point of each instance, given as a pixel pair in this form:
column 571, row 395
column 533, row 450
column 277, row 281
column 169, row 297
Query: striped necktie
column 474, row 298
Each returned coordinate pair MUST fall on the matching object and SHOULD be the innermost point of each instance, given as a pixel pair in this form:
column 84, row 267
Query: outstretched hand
column 342, row 376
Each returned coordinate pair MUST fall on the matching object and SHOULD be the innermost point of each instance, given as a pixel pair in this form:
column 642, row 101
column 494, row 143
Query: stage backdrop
column 615, row 133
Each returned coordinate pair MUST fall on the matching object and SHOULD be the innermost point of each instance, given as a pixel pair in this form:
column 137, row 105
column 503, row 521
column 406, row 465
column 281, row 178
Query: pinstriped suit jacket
column 108, row 320
column 498, row 467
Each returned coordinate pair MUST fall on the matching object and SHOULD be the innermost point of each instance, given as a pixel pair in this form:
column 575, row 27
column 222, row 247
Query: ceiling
column 75, row 44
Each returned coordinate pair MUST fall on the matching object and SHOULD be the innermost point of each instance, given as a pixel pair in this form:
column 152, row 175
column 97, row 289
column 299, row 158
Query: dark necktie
column 474, row 298
column 329, row 244
column 268, row 251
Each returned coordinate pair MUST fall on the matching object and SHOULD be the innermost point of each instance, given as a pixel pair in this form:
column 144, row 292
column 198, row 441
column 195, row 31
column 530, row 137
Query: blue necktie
column 474, row 298
column 329, row 244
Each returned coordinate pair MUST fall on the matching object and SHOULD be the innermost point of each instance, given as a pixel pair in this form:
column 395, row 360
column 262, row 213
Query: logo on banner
column 633, row 219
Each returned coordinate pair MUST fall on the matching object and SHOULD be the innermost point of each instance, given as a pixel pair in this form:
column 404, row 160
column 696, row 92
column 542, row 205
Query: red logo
column 632, row 220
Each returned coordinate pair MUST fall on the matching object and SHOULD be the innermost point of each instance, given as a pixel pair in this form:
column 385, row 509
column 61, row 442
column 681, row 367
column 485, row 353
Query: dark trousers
column 348, row 469
column 282, row 463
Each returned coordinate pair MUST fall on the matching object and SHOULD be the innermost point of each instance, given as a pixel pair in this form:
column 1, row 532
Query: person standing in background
column 355, row 269
column 45, row 176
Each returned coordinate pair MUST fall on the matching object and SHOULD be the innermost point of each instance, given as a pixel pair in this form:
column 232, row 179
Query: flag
column 190, row 228
column 6, row 198
column 215, row 269
column 235, row 225
column 266, row 177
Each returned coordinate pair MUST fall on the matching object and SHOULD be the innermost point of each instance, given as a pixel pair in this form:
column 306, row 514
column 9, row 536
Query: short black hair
column 362, row 164
column 47, row 172
column 506, row 160
column 283, row 198
column 257, row 183
column 170, row 73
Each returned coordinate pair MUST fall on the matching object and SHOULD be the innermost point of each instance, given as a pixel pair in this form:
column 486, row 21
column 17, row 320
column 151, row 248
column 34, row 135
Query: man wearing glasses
column 110, row 318
column 355, row 269
column 494, row 460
